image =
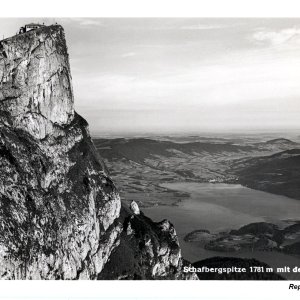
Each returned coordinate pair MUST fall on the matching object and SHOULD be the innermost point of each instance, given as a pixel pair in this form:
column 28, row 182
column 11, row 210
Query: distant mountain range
column 269, row 165
column 140, row 149
column 277, row 173
column 281, row 141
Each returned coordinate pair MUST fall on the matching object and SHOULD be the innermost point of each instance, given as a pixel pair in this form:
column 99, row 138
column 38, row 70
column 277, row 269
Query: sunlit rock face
column 147, row 250
column 60, row 213
column 36, row 87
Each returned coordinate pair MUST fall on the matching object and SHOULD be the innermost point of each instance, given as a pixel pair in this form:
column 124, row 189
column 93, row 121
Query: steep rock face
column 59, row 210
column 147, row 250
column 36, row 88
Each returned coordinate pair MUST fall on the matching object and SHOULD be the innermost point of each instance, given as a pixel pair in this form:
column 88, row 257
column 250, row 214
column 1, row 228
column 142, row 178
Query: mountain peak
column 61, row 216
column 280, row 141
column 36, row 92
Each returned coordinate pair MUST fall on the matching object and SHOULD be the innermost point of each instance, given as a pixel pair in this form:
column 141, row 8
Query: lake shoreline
column 222, row 207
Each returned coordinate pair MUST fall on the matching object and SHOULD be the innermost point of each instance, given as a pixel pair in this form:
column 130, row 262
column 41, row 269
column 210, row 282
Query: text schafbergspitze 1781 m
column 253, row 269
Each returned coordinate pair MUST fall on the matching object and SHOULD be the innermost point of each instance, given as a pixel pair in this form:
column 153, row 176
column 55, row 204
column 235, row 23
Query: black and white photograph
column 150, row 148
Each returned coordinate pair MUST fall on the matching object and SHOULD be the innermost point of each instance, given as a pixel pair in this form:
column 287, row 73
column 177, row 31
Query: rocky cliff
column 60, row 214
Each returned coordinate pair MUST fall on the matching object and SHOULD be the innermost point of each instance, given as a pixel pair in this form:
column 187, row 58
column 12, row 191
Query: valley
column 140, row 165
column 213, row 188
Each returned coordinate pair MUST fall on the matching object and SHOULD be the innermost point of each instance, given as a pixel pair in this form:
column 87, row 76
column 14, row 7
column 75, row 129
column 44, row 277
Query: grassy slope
column 278, row 173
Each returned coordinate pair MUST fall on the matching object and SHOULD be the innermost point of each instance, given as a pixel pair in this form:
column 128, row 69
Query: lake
column 218, row 207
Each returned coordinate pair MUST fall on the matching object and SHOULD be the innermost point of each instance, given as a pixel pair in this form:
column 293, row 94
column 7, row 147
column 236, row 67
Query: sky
column 183, row 75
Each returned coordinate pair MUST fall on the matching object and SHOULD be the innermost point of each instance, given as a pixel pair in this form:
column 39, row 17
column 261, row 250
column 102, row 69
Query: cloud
column 128, row 54
column 84, row 21
column 247, row 83
column 278, row 37
column 201, row 27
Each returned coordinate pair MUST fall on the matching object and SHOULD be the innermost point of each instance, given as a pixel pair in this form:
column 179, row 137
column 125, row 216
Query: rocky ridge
column 61, row 216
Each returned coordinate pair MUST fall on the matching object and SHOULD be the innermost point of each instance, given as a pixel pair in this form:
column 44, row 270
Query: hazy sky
column 183, row 75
